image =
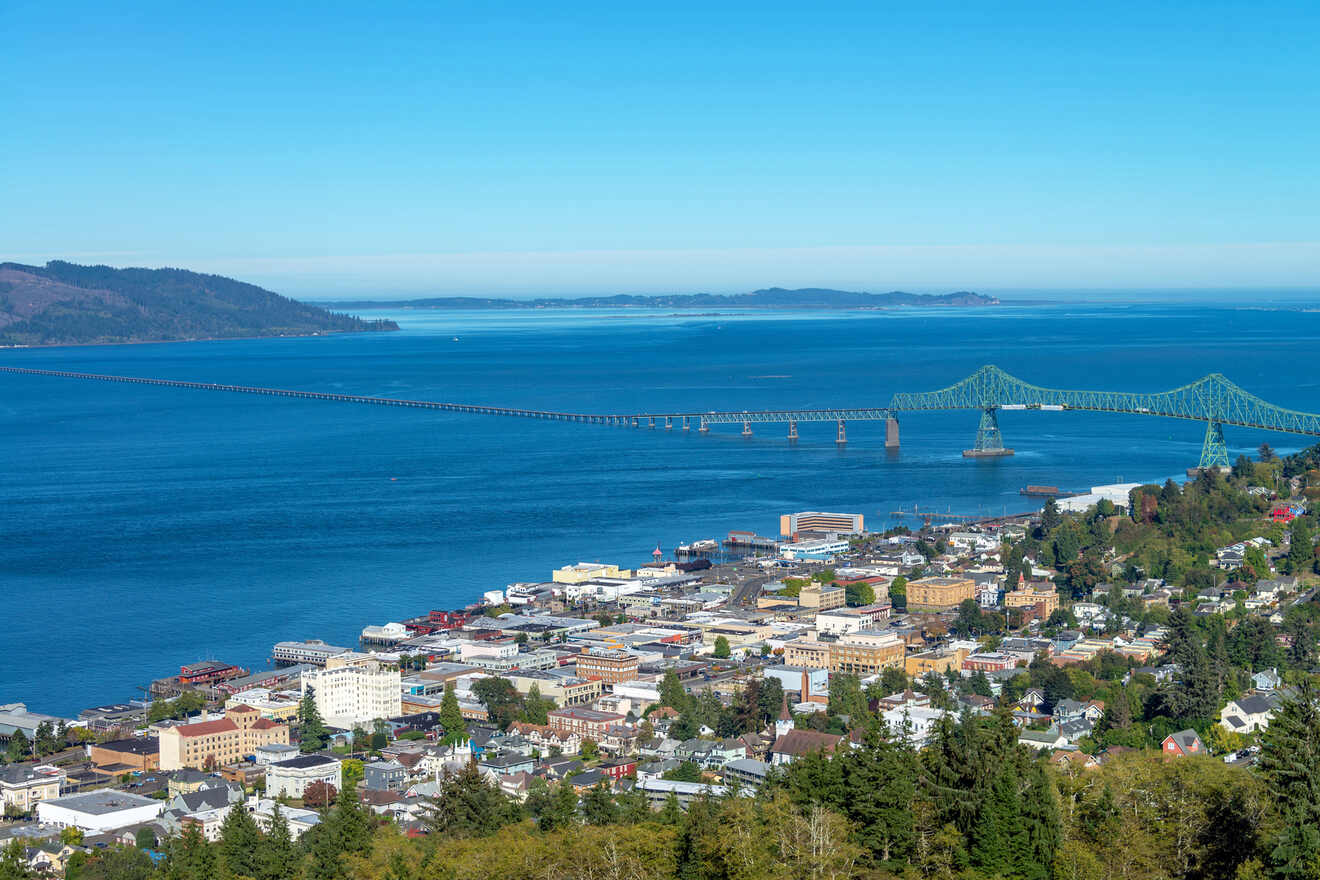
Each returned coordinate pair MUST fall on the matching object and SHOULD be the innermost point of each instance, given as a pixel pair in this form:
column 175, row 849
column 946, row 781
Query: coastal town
column 1170, row 622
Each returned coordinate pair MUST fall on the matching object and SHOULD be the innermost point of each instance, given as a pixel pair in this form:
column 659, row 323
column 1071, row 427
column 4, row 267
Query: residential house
column 1183, row 743
column 1248, row 714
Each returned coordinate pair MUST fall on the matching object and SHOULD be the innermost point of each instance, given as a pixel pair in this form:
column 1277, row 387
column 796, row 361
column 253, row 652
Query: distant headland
column 770, row 298
column 66, row 304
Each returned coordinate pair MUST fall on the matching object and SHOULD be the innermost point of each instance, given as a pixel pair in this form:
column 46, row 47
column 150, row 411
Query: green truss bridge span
column 1211, row 399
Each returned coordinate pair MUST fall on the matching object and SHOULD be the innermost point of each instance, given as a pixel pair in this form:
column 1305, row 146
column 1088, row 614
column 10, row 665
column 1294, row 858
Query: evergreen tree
column 451, row 718
column 721, row 650
column 20, row 749
column 469, row 806
column 536, row 708
column 672, row 812
column 1290, row 763
column 311, row 728
column 189, row 856
column 672, row 693
column 598, row 806
column 278, row 856
column 240, row 841
column 880, row 783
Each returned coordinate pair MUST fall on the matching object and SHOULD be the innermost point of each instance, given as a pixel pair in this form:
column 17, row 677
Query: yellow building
column 584, row 571
column 866, row 653
column 807, row 653
column 942, row 661
column 1026, row 597
column 822, row 597
column 939, row 592
column 214, row 743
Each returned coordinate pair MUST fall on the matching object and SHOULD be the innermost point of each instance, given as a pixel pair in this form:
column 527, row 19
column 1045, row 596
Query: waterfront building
column 214, row 743
column 312, row 651
column 15, row 717
column 291, row 778
column 585, row 571
column 791, row 524
column 354, row 689
column 940, row 592
column 815, row 551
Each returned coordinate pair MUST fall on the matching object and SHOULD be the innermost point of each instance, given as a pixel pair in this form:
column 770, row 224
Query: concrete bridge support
column 792, row 429
column 747, row 429
column 891, row 433
column 842, row 439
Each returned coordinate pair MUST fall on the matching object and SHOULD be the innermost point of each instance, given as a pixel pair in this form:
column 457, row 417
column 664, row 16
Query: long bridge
column 1212, row 399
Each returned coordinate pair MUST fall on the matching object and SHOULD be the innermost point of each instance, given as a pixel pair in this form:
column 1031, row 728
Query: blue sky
column 391, row 149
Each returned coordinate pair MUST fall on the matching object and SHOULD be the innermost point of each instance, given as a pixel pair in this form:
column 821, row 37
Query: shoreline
column 41, row 346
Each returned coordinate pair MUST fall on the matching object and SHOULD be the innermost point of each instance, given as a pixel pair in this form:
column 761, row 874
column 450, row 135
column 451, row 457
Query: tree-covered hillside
column 64, row 304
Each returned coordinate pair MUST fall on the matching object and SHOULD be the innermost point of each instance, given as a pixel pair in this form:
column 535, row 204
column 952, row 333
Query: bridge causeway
column 1212, row 399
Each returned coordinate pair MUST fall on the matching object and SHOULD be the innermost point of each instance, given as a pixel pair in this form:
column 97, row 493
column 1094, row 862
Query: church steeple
column 785, row 722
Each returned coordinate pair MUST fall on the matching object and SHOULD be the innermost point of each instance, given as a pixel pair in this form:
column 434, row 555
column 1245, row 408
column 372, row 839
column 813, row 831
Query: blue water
column 147, row 527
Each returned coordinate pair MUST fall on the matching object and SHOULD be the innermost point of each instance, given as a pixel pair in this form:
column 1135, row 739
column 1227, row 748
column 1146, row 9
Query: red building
column 619, row 769
column 209, row 672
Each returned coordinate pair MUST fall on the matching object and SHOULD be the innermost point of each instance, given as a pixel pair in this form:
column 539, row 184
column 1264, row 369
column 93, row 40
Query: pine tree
column 19, row 747
column 879, row 780
column 240, row 841
column 598, row 806
column 190, row 857
column 536, row 708
column 311, row 728
column 1290, row 763
column 451, row 718
column 672, row 812
column 278, row 857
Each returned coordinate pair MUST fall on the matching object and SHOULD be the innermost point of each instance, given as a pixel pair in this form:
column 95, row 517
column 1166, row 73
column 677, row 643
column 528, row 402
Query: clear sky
column 379, row 149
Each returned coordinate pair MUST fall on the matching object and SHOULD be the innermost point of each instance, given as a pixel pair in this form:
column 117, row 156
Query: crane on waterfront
column 1212, row 399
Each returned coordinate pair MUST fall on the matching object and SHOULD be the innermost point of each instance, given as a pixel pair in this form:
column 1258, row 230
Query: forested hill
column 770, row 298
column 66, row 304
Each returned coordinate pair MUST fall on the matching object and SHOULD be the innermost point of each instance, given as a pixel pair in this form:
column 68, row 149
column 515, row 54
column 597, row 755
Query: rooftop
column 103, row 802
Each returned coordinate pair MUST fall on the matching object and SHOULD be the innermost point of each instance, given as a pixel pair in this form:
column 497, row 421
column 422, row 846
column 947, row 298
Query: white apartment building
column 355, row 689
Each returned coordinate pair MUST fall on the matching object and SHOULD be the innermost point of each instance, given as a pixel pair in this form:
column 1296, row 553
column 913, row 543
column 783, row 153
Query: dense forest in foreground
column 66, row 304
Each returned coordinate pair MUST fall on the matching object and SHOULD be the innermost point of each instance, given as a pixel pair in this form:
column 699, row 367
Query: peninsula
column 770, row 298
column 66, row 304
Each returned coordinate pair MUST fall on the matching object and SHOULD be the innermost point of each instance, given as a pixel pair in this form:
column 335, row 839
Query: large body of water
column 143, row 527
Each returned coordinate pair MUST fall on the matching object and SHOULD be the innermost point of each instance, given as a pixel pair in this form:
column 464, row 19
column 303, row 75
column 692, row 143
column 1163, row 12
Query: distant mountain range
column 772, row 298
column 66, row 304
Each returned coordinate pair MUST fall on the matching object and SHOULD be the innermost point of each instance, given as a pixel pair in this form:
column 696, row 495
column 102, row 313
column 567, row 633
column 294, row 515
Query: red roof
column 204, row 728
column 800, row 742
column 265, row 724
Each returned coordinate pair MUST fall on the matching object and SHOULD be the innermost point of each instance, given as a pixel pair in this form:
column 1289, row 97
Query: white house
column 1248, row 714
column 292, row 777
column 96, row 811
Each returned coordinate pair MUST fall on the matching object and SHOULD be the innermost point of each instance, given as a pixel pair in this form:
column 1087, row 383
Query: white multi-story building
column 355, row 689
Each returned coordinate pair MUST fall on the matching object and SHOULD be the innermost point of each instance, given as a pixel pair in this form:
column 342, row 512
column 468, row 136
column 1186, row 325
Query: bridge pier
column 634, row 422
column 792, row 429
column 989, row 442
column 669, row 423
column 891, row 433
column 747, row 429
column 686, row 426
column 705, row 428
column 1214, row 451
column 842, row 439
column 652, row 423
